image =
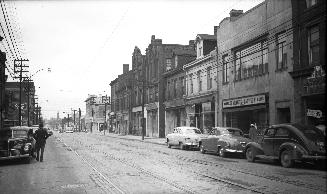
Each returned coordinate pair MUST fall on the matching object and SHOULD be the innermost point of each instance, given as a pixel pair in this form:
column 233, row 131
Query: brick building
column 175, row 87
column 309, row 48
column 157, row 56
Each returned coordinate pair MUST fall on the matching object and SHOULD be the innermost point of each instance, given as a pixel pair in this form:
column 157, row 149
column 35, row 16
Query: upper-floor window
column 191, row 83
column 182, row 80
column 311, row 3
column 168, row 64
column 175, row 88
column 200, row 51
column 251, row 61
column 281, row 51
column 176, row 61
column 209, row 78
column 313, row 47
column 199, row 80
column 168, row 90
column 225, row 69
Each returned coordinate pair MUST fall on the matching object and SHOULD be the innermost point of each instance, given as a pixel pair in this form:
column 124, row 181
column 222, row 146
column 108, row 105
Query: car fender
column 297, row 149
column 257, row 148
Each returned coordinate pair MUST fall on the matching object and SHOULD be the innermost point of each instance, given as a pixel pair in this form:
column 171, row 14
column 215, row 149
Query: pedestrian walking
column 40, row 136
column 253, row 132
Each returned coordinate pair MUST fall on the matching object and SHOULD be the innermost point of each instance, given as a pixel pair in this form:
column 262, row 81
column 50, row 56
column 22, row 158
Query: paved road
column 94, row 163
column 60, row 172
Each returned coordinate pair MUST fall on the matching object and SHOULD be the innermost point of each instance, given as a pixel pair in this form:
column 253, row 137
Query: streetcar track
column 211, row 177
column 270, row 177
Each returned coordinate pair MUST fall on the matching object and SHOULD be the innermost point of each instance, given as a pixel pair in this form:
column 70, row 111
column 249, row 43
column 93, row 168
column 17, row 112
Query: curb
column 140, row 140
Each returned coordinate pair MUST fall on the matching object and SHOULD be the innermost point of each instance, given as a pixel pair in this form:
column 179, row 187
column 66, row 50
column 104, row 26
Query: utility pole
column 79, row 119
column 105, row 114
column 74, row 116
column 20, row 71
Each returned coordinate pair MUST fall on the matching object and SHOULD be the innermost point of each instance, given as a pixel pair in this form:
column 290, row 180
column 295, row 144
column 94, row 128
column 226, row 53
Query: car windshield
column 19, row 133
column 235, row 132
column 311, row 132
column 193, row 130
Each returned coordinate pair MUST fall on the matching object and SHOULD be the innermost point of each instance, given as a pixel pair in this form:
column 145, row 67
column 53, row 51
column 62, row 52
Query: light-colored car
column 224, row 140
column 69, row 130
column 185, row 137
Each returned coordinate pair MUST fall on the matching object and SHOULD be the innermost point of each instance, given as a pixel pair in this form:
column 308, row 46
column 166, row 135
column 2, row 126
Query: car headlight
column 27, row 147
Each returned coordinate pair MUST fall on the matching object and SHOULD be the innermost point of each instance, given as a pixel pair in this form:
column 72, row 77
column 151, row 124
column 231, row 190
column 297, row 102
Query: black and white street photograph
column 162, row 97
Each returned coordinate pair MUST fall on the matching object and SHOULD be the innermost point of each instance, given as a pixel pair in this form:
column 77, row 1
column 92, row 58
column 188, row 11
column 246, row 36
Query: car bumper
column 308, row 157
column 192, row 144
column 233, row 150
column 15, row 157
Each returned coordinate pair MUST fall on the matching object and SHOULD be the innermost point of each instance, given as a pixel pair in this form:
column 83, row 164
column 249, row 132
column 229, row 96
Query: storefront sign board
column 314, row 113
column 244, row 101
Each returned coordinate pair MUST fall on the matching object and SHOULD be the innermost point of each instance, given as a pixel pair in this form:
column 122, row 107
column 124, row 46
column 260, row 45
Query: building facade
column 29, row 113
column 157, row 56
column 255, row 57
column 309, row 60
column 200, row 83
column 175, row 87
column 96, row 110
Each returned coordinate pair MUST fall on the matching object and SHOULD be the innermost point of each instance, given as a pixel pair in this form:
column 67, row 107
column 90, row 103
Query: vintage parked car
column 222, row 140
column 185, row 137
column 15, row 144
column 289, row 143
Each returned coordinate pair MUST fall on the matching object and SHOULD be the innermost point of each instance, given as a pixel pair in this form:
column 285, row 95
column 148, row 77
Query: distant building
column 95, row 112
column 2, row 85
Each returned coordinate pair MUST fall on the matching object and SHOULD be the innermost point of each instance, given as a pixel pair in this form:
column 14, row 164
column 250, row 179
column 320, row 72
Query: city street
column 97, row 163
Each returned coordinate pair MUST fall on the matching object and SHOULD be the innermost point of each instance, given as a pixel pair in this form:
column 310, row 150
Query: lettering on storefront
column 314, row 113
column 315, row 83
column 251, row 100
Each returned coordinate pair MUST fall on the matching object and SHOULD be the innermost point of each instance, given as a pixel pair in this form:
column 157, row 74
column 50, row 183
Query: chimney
column 235, row 13
column 125, row 68
column 215, row 28
column 153, row 37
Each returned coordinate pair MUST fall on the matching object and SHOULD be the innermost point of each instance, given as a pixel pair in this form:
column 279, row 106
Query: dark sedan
column 224, row 140
column 289, row 143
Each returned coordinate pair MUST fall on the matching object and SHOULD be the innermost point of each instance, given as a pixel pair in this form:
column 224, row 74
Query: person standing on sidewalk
column 40, row 136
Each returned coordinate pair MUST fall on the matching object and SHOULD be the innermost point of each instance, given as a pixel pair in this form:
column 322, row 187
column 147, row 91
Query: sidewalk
column 153, row 140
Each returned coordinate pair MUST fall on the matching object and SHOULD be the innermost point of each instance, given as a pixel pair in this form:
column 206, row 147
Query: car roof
column 186, row 127
column 226, row 128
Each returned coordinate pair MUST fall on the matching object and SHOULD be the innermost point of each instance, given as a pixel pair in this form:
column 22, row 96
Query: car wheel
column 202, row 149
column 222, row 153
column 169, row 146
column 181, row 146
column 249, row 154
column 286, row 159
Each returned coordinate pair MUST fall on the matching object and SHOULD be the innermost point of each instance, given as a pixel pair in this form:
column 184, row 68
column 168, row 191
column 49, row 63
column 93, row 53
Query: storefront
column 313, row 96
column 152, row 120
column 175, row 115
column 201, row 112
column 136, row 120
column 241, row 112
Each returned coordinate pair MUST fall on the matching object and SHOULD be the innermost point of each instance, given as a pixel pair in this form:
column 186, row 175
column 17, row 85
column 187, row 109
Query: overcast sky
column 86, row 43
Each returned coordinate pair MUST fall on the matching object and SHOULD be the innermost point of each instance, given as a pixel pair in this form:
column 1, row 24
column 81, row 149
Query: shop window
column 281, row 51
column 251, row 61
column 313, row 45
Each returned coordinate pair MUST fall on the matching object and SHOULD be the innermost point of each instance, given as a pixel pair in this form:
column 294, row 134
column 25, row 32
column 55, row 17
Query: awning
column 174, row 103
column 245, row 108
column 202, row 99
